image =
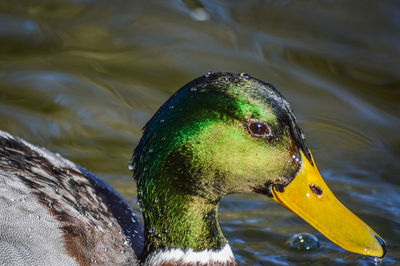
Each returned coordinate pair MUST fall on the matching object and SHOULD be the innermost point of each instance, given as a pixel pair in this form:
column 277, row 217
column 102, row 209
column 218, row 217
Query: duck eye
column 258, row 129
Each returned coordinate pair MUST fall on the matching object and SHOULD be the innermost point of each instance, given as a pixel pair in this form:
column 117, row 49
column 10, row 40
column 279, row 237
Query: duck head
column 227, row 133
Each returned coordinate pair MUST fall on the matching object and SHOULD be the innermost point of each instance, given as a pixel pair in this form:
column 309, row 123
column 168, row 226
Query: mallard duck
column 219, row 134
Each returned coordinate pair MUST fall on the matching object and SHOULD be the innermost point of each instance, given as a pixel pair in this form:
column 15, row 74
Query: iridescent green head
column 222, row 133
column 229, row 133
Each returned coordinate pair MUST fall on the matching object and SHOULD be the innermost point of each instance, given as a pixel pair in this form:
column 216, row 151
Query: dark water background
column 81, row 77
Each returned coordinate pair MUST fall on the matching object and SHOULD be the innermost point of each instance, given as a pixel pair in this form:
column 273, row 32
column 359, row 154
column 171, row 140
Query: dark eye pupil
column 258, row 129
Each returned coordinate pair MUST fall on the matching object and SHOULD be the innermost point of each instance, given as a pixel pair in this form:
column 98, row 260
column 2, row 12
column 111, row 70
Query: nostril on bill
column 316, row 190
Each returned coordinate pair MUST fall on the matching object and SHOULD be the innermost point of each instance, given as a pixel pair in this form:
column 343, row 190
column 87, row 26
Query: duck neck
column 181, row 228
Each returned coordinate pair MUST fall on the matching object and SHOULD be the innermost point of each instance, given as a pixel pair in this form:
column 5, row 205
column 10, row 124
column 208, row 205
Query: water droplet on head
column 110, row 224
column 162, row 121
column 123, row 251
column 130, row 166
column 163, row 138
column 171, row 107
column 193, row 89
column 303, row 242
column 244, row 76
column 105, row 249
column 209, row 73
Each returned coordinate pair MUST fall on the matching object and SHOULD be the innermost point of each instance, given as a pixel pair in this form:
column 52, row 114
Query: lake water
column 81, row 77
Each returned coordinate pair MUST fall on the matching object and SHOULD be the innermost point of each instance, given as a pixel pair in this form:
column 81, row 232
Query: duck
column 220, row 134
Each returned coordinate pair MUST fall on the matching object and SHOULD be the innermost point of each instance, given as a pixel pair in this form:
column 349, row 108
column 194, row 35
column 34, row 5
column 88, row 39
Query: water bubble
column 378, row 261
column 303, row 242
column 244, row 75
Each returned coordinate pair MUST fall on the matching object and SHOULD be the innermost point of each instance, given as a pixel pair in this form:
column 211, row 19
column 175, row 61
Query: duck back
column 55, row 212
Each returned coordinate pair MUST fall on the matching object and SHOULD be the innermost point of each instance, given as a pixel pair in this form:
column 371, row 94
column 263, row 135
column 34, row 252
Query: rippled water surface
column 82, row 77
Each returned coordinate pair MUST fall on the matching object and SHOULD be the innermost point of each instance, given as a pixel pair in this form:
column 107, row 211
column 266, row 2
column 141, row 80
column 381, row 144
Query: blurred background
column 81, row 77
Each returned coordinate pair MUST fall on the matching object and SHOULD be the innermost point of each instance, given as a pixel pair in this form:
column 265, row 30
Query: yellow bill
column 308, row 196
